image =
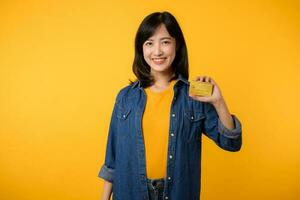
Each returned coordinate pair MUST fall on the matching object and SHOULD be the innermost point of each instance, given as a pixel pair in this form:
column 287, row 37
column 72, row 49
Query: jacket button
column 166, row 197
column 169, row 178
column 172, row 134
column 171, row 156
column 173, row 115
column 192, row 117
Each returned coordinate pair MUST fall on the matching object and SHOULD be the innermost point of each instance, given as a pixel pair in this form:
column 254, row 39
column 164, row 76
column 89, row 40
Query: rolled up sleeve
column 106, row 173
column 230, row 133
column 107, row 170
column 227, row 139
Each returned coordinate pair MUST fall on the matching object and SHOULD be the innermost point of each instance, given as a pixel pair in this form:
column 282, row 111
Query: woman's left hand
column 216, row 96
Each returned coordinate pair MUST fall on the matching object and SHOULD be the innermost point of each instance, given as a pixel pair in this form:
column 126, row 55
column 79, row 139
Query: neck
column 162, row 79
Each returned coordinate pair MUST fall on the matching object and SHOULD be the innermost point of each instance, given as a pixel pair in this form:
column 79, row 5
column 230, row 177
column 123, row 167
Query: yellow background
column 62, row 63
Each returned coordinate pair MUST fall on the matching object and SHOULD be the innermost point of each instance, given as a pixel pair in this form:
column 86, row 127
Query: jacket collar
column 137, row 83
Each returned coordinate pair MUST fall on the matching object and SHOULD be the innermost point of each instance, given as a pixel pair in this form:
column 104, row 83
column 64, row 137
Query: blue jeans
column 156, row 188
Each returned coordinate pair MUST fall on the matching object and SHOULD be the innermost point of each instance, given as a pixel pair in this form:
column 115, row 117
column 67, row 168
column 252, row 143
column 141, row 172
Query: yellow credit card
column 200, row 88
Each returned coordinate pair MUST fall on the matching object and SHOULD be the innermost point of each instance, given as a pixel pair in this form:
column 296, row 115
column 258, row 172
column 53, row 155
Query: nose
column 157, row 50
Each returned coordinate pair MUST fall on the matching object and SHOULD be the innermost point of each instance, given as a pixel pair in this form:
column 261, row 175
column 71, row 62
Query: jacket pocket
column 193, row 120
column 122, row 113
column 193, row 116
column 125, row 123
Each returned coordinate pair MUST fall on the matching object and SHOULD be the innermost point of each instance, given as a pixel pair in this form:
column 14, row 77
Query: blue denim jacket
column 125, row 165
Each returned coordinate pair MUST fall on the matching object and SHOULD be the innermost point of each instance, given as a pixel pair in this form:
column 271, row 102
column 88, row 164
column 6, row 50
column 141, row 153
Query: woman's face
column 159, row 51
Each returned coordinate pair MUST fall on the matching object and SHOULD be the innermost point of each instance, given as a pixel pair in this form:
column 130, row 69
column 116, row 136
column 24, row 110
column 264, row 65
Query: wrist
column 219, row 103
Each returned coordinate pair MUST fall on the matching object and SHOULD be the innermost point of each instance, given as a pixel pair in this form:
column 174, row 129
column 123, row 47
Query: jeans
column 156, row 188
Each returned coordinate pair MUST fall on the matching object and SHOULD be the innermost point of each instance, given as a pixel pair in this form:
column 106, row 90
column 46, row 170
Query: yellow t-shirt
column 155, row 123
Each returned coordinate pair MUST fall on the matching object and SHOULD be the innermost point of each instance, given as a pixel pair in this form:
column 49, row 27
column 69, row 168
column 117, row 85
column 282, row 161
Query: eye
column 166, row 42
column 148, row 43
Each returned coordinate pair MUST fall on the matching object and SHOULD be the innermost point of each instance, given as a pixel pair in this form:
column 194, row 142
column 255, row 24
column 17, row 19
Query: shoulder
column 126, row 92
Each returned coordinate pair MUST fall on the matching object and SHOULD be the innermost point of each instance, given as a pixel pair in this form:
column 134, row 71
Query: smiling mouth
column 158, row 61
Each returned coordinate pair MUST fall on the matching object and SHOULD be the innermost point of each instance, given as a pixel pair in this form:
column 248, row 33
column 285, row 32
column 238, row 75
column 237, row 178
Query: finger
column 201, row 78
column 213, row 81
column 197, row 78
column 206, row 78
column 201, row 98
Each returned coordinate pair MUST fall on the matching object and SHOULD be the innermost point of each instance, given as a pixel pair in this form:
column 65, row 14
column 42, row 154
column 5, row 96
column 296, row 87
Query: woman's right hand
column 107, row 190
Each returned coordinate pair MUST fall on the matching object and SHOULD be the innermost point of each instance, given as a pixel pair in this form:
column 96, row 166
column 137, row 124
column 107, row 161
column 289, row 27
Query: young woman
column 153, row 149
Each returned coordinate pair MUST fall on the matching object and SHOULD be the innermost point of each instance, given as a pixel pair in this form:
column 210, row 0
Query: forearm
column 107, row 190
column 224, row 114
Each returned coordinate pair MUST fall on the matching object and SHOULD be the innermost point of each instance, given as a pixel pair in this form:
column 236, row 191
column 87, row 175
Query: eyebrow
column 162, row 38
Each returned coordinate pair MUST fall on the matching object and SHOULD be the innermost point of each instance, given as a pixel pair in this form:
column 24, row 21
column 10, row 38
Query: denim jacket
column 125, row 164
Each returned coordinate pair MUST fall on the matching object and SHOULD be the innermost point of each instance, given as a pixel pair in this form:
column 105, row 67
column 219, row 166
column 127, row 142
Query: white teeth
column 159, row 61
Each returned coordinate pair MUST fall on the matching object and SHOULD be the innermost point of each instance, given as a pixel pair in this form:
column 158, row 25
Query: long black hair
column 146, row 29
